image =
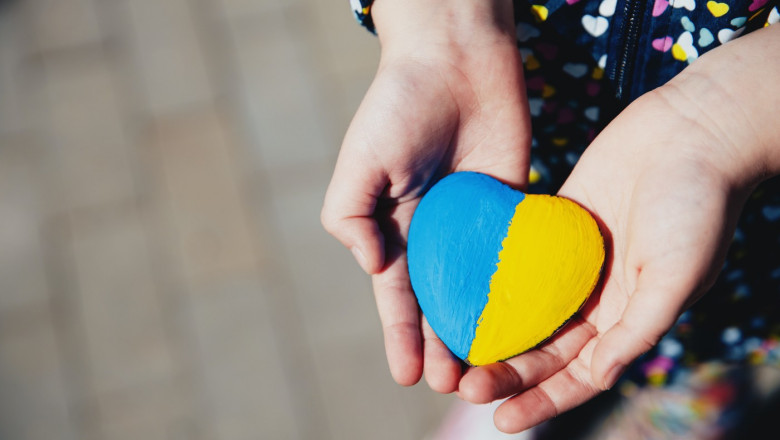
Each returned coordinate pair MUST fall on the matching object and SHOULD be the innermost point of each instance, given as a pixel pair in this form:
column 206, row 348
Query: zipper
column 632, row 25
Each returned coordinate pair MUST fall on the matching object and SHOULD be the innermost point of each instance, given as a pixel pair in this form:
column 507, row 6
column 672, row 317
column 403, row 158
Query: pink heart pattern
column 659, row 7
column 662, row 44
column 756, row 5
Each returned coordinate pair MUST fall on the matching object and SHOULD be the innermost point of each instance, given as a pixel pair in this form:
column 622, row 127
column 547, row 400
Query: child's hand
column 448, row 96
column 667, row 180
column 668, row 212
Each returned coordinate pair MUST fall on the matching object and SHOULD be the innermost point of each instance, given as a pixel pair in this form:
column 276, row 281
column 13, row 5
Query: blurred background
column 163, row 272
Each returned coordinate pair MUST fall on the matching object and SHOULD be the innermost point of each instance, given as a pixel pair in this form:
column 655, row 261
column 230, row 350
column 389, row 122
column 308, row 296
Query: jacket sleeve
column 362, row 11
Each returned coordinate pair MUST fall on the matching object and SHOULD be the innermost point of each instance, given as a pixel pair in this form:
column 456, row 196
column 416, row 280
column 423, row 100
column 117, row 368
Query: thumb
column 652, row 310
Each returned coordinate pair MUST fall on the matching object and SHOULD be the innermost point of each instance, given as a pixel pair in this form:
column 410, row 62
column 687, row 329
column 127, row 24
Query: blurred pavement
column 163, row 272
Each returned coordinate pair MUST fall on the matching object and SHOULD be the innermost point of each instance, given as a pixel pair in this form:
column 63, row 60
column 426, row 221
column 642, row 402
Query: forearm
column 734, row 91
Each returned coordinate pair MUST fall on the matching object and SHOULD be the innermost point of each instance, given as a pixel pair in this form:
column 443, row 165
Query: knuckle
column 554, row 354
column 646, row 338
column 329, row 221
column 508, row 372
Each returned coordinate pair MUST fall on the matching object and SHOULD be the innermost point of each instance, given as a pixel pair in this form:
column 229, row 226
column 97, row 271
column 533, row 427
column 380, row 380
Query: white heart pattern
column 603, row 61
column 535, row 106
column 774, row 16
column 726, row 35
column 687, row 4
column 686, row 44
column 575, row 70
column 595, row 26
column 525, row 32
column 607, row 8
column 592, row 113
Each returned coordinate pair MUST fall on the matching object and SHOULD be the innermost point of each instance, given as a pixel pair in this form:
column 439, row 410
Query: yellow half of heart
column 717, row 9
column 549, row 264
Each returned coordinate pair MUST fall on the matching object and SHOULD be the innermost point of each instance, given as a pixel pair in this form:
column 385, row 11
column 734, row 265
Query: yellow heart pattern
column 717, row 9
column 540, row 12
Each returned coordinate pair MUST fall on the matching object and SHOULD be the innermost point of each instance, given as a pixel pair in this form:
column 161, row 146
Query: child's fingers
column 563, row 391
column 400, row 317
column 503, row 379
column 442, row 368
column 489, row 383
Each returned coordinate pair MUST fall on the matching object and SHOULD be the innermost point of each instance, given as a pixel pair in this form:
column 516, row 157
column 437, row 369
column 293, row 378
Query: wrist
column 733, row 93
column 412, row 28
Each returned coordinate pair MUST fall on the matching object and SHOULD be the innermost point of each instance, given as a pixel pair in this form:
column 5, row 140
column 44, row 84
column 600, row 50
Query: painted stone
column 497, row 271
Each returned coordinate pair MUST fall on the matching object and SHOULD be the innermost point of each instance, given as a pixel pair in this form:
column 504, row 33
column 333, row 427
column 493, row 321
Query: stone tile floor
column 163, row 273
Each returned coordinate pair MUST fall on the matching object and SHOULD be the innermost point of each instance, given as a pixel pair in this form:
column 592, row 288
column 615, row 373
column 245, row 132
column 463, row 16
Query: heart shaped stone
column 496, row 271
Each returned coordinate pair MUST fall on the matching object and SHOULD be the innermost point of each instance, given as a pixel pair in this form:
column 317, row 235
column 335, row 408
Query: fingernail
column 361, row 259
column 613, row 376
